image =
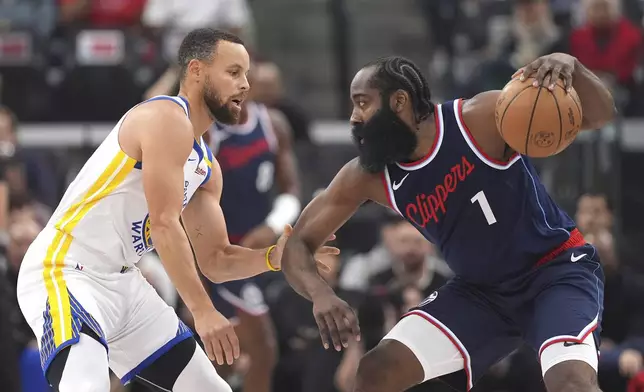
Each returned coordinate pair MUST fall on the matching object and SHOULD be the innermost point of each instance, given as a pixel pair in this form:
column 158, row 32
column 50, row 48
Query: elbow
column 601, row 118
column 162, row 228
column 215, row 268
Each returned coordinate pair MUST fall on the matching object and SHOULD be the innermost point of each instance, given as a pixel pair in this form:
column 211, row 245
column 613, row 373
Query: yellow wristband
column 268, row 262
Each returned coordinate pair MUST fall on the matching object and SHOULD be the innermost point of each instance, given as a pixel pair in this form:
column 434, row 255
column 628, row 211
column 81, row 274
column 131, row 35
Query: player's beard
column 385, row 139
column 219, row 111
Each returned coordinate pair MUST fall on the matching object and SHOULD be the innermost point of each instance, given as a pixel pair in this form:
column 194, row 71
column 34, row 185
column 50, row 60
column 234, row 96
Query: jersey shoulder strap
column 181, row 101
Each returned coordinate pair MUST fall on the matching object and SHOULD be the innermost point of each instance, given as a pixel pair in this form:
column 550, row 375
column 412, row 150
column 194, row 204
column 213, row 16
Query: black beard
column 386, row 139
column 220, row 112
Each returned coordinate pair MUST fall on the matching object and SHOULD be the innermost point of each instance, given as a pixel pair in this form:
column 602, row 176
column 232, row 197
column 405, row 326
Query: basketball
column 535, row 121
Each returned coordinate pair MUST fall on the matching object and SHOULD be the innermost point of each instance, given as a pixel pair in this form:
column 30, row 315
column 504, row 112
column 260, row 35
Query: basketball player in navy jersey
column 254, row 154
column 523, row 271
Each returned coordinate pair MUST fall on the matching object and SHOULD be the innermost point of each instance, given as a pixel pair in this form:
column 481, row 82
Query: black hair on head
column 200, row 44
column 394, row 73
column 598, row 194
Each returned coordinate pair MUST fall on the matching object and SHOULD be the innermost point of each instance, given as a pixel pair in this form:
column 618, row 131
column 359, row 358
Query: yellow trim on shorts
column 60, row 309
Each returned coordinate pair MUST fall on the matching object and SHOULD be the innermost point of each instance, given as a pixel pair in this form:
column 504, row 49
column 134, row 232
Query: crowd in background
column 386, row 266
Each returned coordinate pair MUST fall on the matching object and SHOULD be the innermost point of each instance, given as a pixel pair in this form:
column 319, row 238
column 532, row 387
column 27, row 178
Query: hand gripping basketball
column 549, row 69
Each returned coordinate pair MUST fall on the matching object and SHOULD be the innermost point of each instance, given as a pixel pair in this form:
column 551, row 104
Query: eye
column 234, row 73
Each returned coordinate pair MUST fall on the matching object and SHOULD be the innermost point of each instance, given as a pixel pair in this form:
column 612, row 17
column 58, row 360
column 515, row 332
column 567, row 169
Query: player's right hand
column 218, row 336
column 336, row 320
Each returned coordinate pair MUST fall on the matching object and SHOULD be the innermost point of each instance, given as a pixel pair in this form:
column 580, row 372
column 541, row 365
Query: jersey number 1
column 485, row 206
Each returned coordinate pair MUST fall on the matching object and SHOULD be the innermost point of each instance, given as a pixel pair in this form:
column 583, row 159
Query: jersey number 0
column 265, row 176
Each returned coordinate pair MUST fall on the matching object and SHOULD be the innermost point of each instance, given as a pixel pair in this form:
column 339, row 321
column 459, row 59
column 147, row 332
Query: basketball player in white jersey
column 79, row 289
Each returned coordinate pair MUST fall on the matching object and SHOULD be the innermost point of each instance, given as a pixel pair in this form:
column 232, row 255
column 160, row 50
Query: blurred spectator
column 608, row 44
column 26, row 173
column 101, row 13
column 359, row 270
column 178, row 16
column 533, row 33
column 622, row 347
column 37, row 16
column 304, row 365
column 623, row 319
column 22, row 349
column 594, row 213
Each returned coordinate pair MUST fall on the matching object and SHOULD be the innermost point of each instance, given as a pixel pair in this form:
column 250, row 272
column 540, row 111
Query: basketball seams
column 508, row 106
column 554, row 96
column 534, row 109
column 578, row 107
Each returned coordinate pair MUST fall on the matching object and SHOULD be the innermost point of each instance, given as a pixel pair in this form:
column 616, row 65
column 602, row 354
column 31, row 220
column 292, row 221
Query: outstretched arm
column 218, row 259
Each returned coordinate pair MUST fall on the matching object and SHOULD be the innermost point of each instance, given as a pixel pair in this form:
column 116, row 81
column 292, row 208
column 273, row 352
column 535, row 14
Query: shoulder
column 478, row 117
column 478, row 111
column 160, row 126
column 280, row 125
column 159, row 117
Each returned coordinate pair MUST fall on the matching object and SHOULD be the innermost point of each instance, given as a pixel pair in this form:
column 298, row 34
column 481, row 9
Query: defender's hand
column 550, row 68
column 276, row 255
column 218, row 336
column 335, row 319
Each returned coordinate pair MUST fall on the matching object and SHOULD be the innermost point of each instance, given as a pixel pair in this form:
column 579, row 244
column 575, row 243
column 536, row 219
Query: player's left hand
column 548, row 69
column 259, row 237
column 276, row 255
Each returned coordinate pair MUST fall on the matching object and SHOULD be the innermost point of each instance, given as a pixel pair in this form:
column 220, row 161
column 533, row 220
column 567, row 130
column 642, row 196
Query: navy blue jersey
column 492, row 220
column 246, row 153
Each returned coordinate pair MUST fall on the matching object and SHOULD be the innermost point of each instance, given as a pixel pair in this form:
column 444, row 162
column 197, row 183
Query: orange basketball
column 535, row 121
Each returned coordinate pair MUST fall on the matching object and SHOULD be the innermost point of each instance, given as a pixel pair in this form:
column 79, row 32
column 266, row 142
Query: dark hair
column 398, row 73
column 599, row 195
column 200, row 44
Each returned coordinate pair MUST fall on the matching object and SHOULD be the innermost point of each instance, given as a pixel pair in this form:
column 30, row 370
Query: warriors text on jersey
column 491, row 220
column 246, row 153
column 104, row 214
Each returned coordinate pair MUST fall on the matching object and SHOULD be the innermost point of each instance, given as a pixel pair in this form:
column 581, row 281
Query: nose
column 355, row 118
column 245, row 86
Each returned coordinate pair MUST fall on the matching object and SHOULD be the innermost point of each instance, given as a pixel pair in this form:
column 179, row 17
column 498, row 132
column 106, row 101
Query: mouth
column 237, row 102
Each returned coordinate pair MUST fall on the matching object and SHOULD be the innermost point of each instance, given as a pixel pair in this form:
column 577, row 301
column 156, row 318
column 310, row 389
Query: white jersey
column 104, row 213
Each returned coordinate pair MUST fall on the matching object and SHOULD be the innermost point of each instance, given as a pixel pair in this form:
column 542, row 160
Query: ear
column 398, row 100
column 194, row 67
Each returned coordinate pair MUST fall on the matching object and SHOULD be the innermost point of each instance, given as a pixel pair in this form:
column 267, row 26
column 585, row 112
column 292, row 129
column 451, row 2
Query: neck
column 200, row 116
column 426, row 134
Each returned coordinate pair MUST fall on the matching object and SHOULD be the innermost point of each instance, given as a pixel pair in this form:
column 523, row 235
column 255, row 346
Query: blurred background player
column 255, row 155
